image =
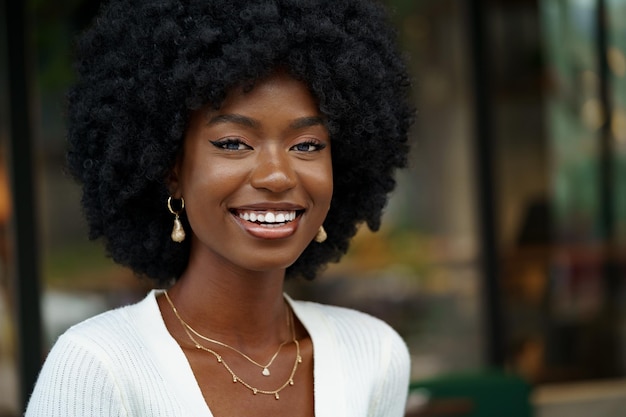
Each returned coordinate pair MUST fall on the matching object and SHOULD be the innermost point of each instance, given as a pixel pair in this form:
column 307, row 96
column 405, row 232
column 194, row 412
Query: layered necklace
column 191, row 332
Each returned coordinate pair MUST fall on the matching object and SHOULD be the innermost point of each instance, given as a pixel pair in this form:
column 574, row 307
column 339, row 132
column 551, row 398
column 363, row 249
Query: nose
column 273, row 171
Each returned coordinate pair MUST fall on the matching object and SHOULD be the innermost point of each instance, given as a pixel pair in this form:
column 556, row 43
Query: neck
column 242, row 308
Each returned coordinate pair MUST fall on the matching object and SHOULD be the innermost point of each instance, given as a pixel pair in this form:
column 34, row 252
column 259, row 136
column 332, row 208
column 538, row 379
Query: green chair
column 475, row 394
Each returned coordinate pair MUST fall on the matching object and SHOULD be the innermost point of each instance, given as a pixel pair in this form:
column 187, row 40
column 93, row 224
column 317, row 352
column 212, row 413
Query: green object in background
column 475, row 394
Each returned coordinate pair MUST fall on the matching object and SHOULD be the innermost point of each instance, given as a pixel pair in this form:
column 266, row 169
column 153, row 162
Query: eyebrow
column 307, row 122
column 300, row 123
column 234, row 118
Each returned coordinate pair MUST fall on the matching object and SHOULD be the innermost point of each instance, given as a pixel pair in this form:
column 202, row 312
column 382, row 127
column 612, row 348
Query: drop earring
column 321, row 235
column 178, row 232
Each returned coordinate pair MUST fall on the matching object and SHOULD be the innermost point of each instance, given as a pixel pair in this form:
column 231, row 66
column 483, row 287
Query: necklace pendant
column 266, row 372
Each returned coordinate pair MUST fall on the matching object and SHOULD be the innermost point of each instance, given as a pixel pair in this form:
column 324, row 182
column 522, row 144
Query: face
column 256, row 176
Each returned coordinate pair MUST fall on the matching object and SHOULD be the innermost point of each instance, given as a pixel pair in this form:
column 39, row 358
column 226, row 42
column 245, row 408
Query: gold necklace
column 265, row 371
column 255, row 390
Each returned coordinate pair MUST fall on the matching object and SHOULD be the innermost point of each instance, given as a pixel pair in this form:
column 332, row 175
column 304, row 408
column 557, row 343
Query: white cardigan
column 125, row 363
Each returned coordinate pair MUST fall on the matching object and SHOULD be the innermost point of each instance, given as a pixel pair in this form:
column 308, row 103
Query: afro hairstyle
column 144, row 66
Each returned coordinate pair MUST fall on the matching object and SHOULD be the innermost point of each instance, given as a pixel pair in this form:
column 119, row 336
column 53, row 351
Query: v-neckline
column 328, row 383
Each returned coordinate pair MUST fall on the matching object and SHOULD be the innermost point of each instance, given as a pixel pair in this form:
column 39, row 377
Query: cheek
column 204, row 190
column 319, row 183
column 328, row 179
column 209, row 176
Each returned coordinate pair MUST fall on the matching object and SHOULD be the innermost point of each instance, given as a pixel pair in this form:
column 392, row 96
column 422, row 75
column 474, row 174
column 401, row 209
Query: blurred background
column 502, row 259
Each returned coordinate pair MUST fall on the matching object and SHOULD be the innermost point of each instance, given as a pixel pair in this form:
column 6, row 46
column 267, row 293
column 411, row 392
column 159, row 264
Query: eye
column 230, row 144
column 308, row 146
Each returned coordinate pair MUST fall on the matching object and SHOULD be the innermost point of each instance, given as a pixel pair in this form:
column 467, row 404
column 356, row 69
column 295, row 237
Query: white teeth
column 268, row 218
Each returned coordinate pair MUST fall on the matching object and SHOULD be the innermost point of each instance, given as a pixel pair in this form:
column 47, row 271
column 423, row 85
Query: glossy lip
column 260, row 231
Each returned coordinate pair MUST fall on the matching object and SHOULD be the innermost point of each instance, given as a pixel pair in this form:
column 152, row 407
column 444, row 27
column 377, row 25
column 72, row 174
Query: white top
column 125, row 363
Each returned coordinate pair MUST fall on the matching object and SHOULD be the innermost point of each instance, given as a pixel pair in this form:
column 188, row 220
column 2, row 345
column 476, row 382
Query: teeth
column 272, row 218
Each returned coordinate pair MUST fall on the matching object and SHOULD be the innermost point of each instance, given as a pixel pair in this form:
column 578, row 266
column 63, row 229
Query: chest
column 233, row 386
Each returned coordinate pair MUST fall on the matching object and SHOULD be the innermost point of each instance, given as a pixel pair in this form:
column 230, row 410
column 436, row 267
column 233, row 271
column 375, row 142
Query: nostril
column 274, row 175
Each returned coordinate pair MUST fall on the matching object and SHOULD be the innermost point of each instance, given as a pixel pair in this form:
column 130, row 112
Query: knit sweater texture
column 125, row 363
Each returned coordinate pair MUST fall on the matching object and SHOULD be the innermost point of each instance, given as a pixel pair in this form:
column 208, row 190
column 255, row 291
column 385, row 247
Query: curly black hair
column 144, row 66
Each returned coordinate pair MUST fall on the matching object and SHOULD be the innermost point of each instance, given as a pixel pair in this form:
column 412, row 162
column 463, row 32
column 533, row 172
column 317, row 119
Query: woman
column 223, row 146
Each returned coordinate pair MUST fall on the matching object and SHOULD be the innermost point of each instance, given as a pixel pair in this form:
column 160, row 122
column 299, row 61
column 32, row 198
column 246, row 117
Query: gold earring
column 178, row 232
column 321, row 235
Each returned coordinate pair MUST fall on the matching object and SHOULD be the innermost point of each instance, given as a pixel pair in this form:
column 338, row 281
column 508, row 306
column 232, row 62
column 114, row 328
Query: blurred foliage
column 55, row 25
column 84, row 266
column 64, row 263
column 400, row 247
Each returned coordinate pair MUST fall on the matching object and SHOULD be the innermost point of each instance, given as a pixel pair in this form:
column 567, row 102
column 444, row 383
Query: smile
column 268, row 224
column 273, row 218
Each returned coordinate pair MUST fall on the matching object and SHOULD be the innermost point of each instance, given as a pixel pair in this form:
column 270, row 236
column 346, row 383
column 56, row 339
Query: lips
column 268, row 223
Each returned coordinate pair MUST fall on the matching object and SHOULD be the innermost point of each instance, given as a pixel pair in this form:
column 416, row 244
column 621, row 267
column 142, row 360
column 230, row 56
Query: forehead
column 278, row 93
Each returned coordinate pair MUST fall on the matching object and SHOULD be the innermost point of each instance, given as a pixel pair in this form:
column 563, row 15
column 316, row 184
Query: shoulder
column 361, row 350
column 101, row 328
column 111, row 337
column 344, row 319
column 350, row 327
column 102, row 363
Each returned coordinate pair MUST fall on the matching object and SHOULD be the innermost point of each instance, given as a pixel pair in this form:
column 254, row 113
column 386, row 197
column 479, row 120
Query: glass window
column 562, row 272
